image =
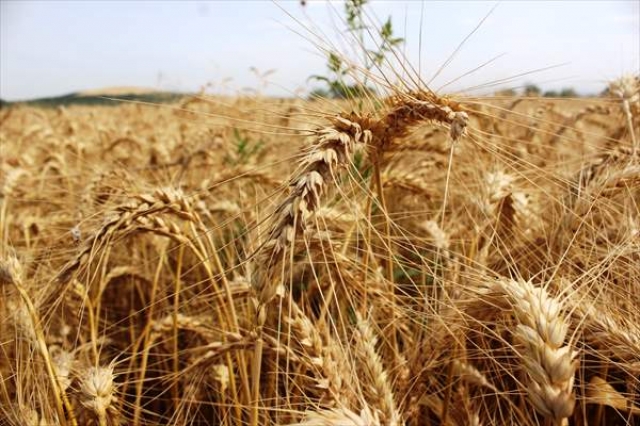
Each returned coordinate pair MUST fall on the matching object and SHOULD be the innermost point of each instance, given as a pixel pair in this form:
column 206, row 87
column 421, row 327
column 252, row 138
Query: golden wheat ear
column 98, row 394
column 550, row 364
column 320, row 168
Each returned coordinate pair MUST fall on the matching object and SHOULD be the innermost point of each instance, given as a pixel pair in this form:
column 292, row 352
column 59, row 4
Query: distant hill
column 107, row 96
column 118, row 91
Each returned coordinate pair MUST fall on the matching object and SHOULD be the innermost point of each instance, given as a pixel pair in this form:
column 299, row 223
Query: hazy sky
column 55, row 47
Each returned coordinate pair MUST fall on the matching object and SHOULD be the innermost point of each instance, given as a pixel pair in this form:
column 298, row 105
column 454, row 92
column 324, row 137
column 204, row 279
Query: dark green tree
column 532, row 90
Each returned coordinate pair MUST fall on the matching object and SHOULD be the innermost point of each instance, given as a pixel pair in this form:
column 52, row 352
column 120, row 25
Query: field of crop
column 401, row 259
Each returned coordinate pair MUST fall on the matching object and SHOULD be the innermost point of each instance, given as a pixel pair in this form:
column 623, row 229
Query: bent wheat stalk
column 332, row 152
column 320, row 168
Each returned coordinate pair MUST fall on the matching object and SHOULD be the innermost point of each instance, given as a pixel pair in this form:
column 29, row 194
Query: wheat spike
column 542, row 331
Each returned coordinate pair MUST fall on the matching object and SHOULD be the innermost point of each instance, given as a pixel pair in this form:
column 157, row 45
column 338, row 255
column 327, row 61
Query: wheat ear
column 339, row 417
column 627, row 89
column 98, row 393
column 408, row 110
column 325, row 356
column 331, row 152
column 381, row 389
column 541, row 331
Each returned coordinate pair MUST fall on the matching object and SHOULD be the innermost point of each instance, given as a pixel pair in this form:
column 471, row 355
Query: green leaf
column 387, row 30
column 335, row 63
column 318, row 78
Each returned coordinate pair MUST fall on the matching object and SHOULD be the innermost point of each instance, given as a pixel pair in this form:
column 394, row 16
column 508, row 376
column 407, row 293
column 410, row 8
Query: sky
column 50, row 48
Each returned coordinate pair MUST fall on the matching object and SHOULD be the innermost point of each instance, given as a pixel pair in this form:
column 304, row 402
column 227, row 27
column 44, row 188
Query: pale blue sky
column 52, row 47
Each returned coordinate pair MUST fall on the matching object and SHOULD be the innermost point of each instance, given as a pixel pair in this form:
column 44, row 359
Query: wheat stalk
column 11, row 273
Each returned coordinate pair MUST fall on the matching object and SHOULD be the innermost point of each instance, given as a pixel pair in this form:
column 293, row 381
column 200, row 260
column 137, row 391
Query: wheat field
column 405, row 258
